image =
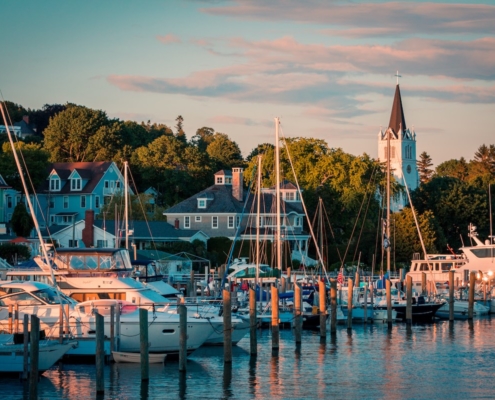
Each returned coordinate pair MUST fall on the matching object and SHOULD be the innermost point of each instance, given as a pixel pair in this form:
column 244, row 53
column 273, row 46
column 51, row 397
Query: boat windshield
column 50, row 296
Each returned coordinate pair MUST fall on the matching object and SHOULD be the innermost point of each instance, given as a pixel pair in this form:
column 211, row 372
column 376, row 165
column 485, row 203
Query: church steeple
column 397, row 120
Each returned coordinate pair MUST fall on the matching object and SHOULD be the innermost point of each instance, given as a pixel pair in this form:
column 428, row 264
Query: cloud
column 167, row 39
column 369, row 18
column 230, row 120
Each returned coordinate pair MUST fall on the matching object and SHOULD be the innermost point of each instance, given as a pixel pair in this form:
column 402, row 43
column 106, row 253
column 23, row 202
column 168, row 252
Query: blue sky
column 326, row 68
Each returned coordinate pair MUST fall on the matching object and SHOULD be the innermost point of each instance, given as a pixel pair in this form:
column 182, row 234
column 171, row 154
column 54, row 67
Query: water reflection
column 182, row 384
column 227, row 381
column 252, row 375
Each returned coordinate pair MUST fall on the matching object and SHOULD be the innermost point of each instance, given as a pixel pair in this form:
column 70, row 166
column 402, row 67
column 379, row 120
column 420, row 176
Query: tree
column 41, row 118
column 80, row 134
column 14, row 252
column 458, row 169
column 21, row 221
column 424, row 163
column 13, row 112
column 225, row 153
column 203, row 137
column 181, row 135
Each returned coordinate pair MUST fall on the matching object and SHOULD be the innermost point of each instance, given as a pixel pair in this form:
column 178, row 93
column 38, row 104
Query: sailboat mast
column 277, row 193
column 388, row 201
column 258, row 188
column 126, row 206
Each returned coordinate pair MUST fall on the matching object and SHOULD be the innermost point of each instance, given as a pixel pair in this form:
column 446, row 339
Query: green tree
column 458, row 169
column 21, row 221
column 41, row 118
column 203, row 137
column 225, row 153
column 424, row 167
column 13, row 112
column 181, row 135
column 14, row 252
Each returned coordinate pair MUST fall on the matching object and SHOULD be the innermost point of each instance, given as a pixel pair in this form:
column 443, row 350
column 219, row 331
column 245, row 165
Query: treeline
column 179, row 165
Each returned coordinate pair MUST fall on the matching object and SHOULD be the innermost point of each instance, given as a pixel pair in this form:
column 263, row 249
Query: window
column 230, row 224
column 102, row 243
column 297, row 221
column 73, row 243
column 52, row 203
column 260, row 221
column 66, row 201
column 290, row 196
column 9, row 201
column 237, row 221
column 219, row 180
column 52, row 219
column 214, row 222
column 187, row 222
column 201, row 203
column 54, row 184
column 197, row 218
column 75, row 184
column 106, row 185
column 83, row 201
column 117, row 184
column 228, row 180
column 97, row 201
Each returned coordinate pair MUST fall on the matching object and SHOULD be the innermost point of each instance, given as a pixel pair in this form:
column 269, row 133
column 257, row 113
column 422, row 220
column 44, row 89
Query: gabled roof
column 286, row 185
column 397, row 119
column 92, row 171
column 224, row 172
column 3, row 184
column 26, row 129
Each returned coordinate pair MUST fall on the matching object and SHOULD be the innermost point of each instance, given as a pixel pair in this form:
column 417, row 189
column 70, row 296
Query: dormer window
column 54, row 184
column 290, row 196
column 75, row 184
column 219, row 180
column 201, row 203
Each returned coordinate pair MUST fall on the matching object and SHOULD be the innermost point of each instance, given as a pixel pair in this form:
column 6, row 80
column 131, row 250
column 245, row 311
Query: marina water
column 431, row 361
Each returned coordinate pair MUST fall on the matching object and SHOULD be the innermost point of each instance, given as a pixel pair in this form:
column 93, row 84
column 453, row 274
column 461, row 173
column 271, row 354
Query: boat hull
column 420, row 312
column 153, row 358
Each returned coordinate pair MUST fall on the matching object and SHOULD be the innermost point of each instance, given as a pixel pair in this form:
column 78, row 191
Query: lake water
column 431, row 361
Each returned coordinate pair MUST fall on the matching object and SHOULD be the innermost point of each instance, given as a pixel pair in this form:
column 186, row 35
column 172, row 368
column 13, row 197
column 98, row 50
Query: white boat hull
column 153, row 358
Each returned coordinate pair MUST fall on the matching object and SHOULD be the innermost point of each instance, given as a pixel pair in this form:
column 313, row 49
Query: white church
column 402, row 152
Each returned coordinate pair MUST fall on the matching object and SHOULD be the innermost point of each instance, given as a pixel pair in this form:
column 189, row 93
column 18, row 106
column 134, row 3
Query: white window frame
column 55, row 184
column 197, row 218
column 230, row 222
column 187, row 222
column 214, row 222
column 201, row 203
column 219, row 180
column 75, row 184
column 290, row 196
column 83, row 202
column 72, row 242
column 9, row 201
column 66, row 202
column 97, row 201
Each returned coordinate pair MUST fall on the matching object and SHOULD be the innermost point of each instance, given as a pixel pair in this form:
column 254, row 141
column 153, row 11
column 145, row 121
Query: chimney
column 26, row 119
column 237, row 184
column 176, row 223
column 88, row 234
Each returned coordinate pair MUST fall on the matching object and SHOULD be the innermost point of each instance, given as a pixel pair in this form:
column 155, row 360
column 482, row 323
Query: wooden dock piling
column 192, row 286
column 275, row 318
column 16, row 318
column 297, row 312
column 25, row 368
column 423, row 283
column 144, row 344
column 389, row 304
column 365, row 304
column 357, row 281
column 253, row 343
column 350, row 290
column 333, row 306
column 322, row 289
column 409, row 301
column 472, row 284
column 227, row 327
column 112, row 330
column 60, row 324
column 100, row 354
column 182, row 310
column 451, row 296
column 11, row 326
column 34, row 357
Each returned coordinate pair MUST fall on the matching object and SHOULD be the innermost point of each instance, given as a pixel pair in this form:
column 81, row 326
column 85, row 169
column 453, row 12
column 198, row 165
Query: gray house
column 226, row 209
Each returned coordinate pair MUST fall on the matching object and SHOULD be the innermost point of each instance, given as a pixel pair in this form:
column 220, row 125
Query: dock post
column 11, row 327
column 408, row 301
column 297, row 312
column 451, row 296
column 365, row 304
column 144, row 346
column 284, row 284
column 423, row 283
column 112, row 330
column 117, row 328
column 472, row 283
column 25, row 369
column 333, row 306
column 322, row 289
column 356, row 282
column 67, row 325
column 350, row 291
column 34, row 357
column 252, row 323
column 182, row 310
column 16, row 317
column 289, row 281
column 60, row 324
column 100, row 354
column 275, row 318
column 227, row 327
column 389, row 304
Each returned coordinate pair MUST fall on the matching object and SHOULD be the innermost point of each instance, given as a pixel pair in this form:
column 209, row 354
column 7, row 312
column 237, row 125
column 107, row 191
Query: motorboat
column 12, row 353
column 461, row 310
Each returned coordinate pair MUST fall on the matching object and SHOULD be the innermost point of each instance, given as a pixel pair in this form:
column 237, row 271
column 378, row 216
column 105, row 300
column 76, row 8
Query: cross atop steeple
column 398, row 76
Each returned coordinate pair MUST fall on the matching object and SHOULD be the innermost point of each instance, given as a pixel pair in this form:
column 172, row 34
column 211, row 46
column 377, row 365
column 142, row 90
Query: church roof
column 397, row 119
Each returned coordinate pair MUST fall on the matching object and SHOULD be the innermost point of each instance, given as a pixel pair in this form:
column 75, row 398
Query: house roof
column 3, row 184
column 26, row 129
column 223, row 202
column 397, row 119
column 157, row 229
column 92, row 171
column 285, row 184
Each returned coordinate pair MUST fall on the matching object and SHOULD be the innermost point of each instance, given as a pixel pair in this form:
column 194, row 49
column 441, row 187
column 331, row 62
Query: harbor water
column 433, row 361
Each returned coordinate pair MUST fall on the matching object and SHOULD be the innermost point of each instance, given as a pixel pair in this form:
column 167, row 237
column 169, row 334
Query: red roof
column 20, row 239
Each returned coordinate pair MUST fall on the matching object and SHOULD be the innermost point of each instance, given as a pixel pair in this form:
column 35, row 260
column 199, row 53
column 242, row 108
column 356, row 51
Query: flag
column 340, row 277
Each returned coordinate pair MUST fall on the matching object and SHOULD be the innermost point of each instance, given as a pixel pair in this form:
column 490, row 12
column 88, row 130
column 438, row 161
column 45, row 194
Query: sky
column 325, row 68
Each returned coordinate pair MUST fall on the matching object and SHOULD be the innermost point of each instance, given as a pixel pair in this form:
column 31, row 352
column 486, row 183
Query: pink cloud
column 167, row 39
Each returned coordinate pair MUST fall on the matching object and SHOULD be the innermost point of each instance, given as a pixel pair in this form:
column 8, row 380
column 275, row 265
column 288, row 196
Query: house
column 225, row 209
column 21, row 129
column 92, row 232
column 71, row 189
